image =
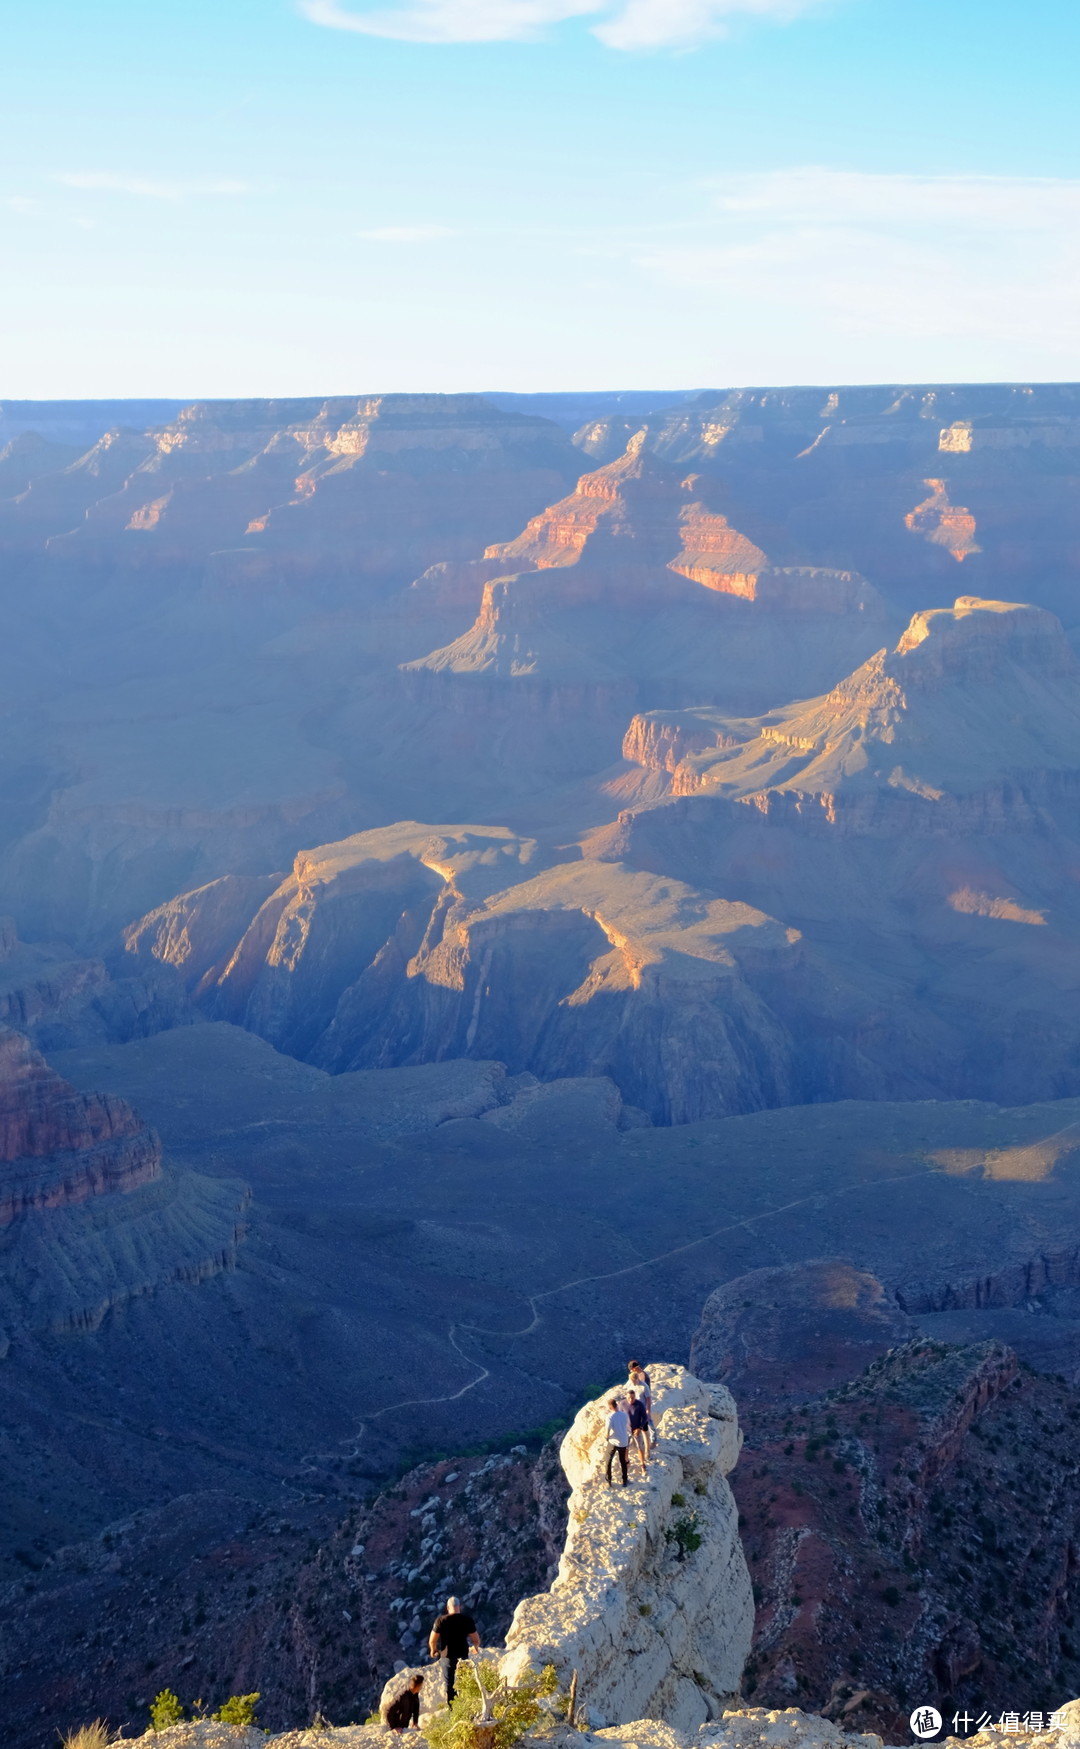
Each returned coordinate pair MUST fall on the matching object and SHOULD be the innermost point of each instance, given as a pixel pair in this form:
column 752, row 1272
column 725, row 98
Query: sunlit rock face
column 928, row 797
column 417, row 943
column 569, row 610
column 654, row 1631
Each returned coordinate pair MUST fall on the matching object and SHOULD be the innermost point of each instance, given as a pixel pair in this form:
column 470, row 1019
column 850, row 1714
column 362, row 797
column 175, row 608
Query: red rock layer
column 644, row 505
column 947, row 525
column 59, row 1146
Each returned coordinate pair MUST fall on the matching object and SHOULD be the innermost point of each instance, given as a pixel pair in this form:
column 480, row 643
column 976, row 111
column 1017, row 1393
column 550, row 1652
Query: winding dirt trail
column 534, row 1301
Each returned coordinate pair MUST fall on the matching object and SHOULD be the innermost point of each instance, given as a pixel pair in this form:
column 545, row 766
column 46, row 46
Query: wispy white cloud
column 406, row 234
column 151, row 188
column 448, row 21
column 621, row 24
column 916, row 256
column 811, row 194
column 663, row 24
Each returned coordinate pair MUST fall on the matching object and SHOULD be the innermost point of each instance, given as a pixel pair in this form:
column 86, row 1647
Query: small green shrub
column 166, row 1710
column 891, row 1596
column 239, row 1709
column 516, row 1710
column 644, row 1608
column 678, row 1499
column 685, row 1535
column 95, row 1736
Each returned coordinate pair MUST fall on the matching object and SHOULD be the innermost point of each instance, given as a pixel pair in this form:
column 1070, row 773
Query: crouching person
column 403, row 1713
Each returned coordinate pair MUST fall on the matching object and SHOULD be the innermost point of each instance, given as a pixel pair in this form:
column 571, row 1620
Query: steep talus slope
column 278, row 532
column 909, row 1506
column 782, row 1334
column 59, row 1000
column 68, row 1265
column 281, row 966
column 910, row 833
column 309, row 1607
column 974, row 698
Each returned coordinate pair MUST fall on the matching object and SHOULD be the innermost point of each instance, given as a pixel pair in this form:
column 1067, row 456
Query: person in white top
column 618, row 1438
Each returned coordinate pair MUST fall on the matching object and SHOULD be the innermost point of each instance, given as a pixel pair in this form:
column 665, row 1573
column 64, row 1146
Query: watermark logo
column 925, row 1721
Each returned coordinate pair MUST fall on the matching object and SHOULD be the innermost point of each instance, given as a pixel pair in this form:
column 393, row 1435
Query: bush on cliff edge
column 515, row 1710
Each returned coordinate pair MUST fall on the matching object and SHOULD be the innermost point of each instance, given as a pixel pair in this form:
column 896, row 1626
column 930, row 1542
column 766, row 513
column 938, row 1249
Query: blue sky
column 283, row 197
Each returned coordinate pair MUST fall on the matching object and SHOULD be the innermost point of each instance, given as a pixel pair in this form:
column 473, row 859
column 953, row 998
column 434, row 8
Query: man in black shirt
column 405, row 1710
column 453, row 1634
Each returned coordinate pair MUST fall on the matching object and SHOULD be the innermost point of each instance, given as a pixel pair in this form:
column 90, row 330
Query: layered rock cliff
column 282, row 486
column 423, row 943
column 974, row 472
column 927, row 799
column 976, row 703
column 573, row 602
column 58, row 1146
column 66, row 1268
column 952, row 761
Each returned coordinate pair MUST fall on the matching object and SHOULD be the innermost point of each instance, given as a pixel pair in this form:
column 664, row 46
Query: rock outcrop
column 946, row 525
column 419, row 943
column 58, row 1146
column 976, row 704
column 655, row 1626
column 928, row 798
column 784, row 1334
column 571, row 607
column 59, row 1000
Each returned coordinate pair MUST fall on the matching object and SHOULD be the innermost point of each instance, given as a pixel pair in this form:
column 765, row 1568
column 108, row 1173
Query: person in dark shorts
column 638, row 1417
column 639, row 1379
column 453, row 1634
column 405, row 1710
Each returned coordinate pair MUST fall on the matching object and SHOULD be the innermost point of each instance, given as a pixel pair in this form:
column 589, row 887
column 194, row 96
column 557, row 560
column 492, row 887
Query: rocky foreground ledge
column 740, row 1728
column 650, row 1608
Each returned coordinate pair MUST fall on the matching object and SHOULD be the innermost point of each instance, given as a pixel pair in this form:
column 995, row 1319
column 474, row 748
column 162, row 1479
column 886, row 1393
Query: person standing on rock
column 405, row 1709
column 453, row 1634
column 638, row 1417
column 618, row 1438
column 639, row 1379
